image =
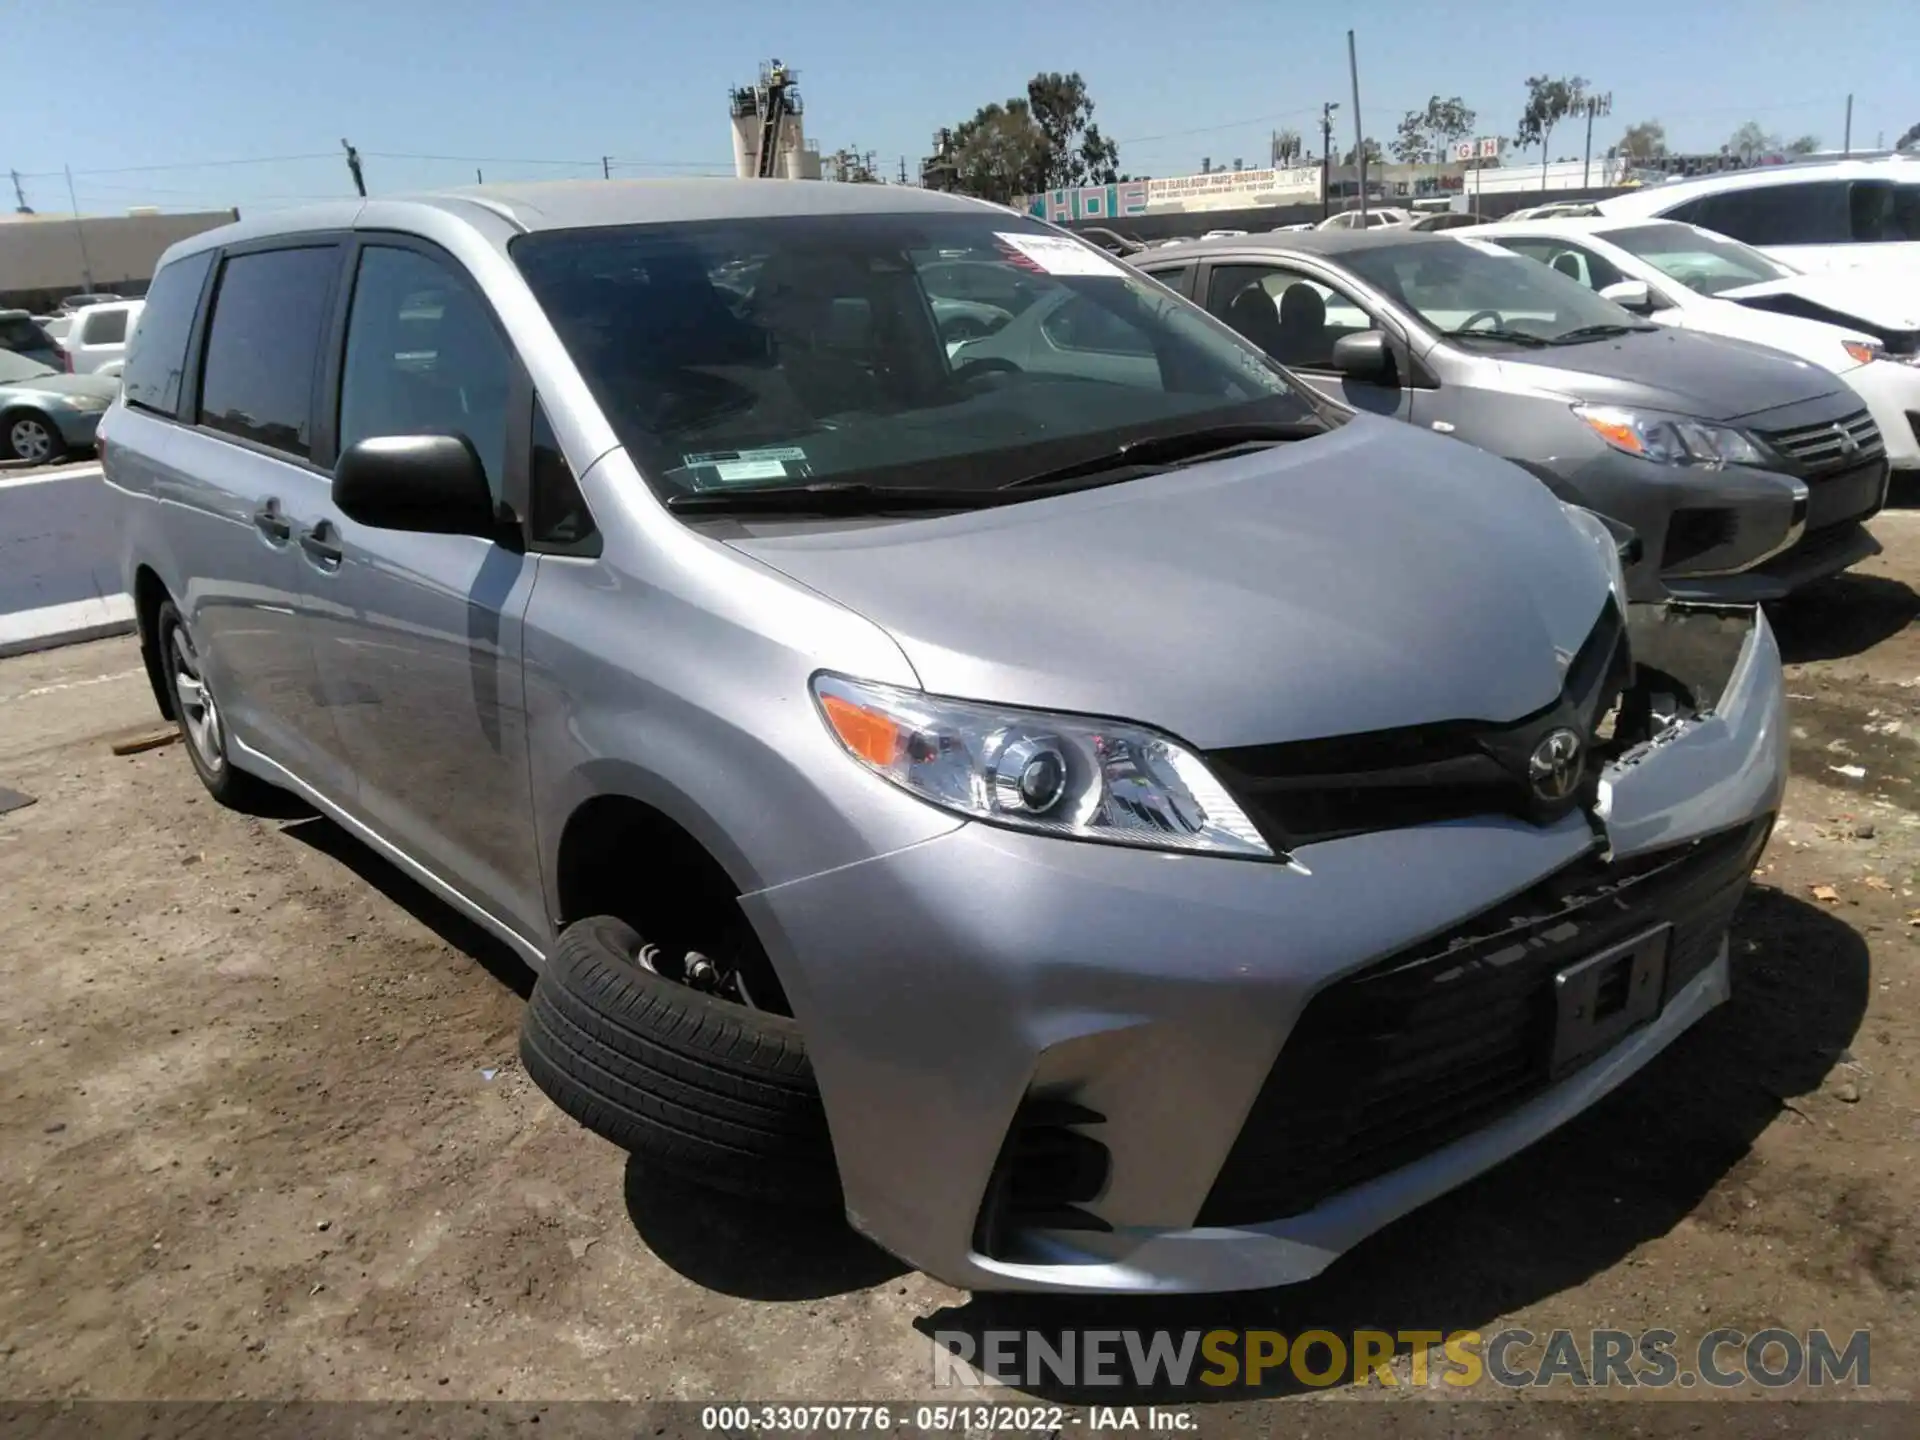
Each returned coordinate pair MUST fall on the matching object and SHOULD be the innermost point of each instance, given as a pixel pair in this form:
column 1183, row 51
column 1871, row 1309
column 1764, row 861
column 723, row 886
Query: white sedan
column 1867, row 333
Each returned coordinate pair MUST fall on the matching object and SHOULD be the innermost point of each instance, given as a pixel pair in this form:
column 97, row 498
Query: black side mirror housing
column 1364, row 357
column 427, row 484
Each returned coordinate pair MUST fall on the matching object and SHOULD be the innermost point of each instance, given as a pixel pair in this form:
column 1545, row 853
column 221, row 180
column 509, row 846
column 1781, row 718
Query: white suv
column 1826, row 215
column 96, row 342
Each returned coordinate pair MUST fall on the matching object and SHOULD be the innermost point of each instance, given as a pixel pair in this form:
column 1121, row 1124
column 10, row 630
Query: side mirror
column 1364, row 357
column 429, row 484
column 1629, row 295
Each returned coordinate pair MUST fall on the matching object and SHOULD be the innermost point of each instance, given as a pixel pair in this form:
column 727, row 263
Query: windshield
column 930, row 350
column 1697, row 259
column 18, row 367
column 1473, row 289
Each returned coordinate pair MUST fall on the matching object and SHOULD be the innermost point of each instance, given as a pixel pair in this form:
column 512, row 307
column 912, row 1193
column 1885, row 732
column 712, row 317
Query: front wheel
column 202, row 727
column 34, row 438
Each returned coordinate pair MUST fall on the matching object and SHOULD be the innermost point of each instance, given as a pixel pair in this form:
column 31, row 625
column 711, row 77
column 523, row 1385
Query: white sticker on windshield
column 750, row 469
column 731, row 467
column 1488, row 247
column 1059, row 255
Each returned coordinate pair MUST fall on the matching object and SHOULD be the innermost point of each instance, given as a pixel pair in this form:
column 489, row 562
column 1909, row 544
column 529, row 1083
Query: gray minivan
column 1075, row 825
column 1746, row 472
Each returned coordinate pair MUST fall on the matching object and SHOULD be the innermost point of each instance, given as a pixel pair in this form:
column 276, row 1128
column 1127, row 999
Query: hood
column 1715, row 377
column 104, row 387
column 1371, row 578
column 1845, row 298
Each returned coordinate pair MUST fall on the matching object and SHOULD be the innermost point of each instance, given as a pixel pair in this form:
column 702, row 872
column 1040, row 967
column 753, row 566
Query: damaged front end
column 1697, row 740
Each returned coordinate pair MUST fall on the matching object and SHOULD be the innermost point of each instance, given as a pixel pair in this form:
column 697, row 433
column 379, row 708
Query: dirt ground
column 263, row 1133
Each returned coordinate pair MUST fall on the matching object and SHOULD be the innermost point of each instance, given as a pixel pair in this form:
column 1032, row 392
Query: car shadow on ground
column 1574, row 1205
column 750, row 1248
column 1841, row 617
column 494, row 955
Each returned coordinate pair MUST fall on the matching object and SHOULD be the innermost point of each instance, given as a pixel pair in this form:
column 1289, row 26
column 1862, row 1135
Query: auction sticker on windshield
column 1057, row 255
column 734, row 467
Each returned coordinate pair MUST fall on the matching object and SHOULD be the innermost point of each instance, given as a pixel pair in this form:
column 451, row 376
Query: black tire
column 46, row 444
column 230, row 786
column 713, row 1092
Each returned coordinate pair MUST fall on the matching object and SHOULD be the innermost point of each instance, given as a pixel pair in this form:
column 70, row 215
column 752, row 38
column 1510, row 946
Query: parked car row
column 58, row 374
column 1072, row 798
column 1744, row 471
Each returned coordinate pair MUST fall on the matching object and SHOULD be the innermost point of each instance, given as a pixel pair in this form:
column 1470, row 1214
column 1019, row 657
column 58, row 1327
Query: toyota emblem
column 1553, row 770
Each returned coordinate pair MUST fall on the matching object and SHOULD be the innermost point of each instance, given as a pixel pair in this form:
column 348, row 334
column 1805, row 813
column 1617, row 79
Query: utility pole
column 606, row 167
column 903, row 169
column 1359, row 135
column 353, row 169
column 1326, row 155
column 19, row 195
column 80, row 232
column 478, row 178
column 1593, row 105
column 1846, row 145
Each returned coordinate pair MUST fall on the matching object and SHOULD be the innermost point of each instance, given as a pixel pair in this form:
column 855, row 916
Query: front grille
column 1414, row 1051
column 1315, row 790
column 1818, row 449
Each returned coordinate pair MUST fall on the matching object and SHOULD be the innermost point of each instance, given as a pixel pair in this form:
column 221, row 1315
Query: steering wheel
column 985, row 365
column 1479, row 315
column 962, row 327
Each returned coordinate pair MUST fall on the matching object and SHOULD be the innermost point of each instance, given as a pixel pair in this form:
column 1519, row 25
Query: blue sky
column 140, row 109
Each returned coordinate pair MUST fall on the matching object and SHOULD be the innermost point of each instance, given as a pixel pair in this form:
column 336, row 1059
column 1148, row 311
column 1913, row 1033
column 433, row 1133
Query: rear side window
column 263, row 345
column 105, row 327
column 157, row 353
column 20, row 333
column 1813, row 213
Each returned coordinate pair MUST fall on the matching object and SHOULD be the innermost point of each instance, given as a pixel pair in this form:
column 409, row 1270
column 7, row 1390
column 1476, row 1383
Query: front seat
column 1568, row 264
column 1251, row 312
column 1303, row 327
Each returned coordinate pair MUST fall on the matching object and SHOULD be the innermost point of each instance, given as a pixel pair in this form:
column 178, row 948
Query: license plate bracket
column 1599, row 1000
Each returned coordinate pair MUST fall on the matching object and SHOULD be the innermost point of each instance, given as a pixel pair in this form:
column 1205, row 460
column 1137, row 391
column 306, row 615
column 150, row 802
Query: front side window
column 1883, row 212
column 1292, row 318
column 157, row 353
column 796, row 349
column 263, row 344
column 1478, row 292
column 423, row 358
column 1576, row 262
column 1702, row 262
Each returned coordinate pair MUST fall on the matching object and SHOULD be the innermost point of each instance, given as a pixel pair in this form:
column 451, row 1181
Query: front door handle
column 320, row 546
column 271, row 523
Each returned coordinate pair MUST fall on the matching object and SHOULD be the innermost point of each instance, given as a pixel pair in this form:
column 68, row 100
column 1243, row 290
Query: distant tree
column 1287, row 148
column 1645, row 141
column 1549, row 101
column 1000, row 154
column 1046, row 140
column 1751, row 141
column 1425, row 135
column 1076, row 152
column 1912, row 137
column 1374, row 153
column 1805, row 145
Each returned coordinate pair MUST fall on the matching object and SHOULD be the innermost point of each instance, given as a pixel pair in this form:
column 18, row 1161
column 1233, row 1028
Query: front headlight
column 1673, row 439
column 1076, row 778
column 1608, row 544
column 87, row 402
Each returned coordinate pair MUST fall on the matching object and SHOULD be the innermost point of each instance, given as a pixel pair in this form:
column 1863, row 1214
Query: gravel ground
column 263, row 1133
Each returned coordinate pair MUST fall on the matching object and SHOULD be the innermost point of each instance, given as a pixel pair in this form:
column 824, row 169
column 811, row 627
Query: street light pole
column 1326, row 155
column 1595, row 105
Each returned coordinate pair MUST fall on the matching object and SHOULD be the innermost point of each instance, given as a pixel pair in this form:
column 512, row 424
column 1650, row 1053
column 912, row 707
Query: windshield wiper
column 1484, row 332
column 1599, row 332
column 1163, row 452
column 831, row 497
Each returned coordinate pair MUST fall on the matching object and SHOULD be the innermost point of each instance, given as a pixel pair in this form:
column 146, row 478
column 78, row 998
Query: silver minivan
column 1075, row 826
